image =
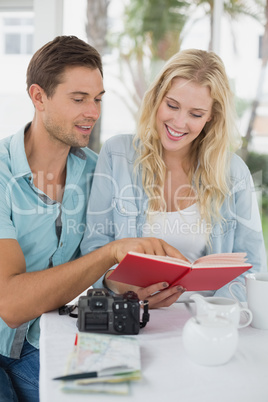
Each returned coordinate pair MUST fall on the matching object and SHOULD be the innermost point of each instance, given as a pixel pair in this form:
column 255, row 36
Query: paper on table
column 95, row 352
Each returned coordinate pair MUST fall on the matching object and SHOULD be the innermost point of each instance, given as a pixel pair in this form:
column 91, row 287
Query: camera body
column 101, row 312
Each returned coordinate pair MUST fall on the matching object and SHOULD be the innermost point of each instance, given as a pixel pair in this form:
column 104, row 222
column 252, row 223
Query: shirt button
column 123, row 210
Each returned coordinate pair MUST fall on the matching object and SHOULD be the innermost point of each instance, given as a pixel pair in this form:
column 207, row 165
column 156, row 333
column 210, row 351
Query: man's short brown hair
column 49, row 63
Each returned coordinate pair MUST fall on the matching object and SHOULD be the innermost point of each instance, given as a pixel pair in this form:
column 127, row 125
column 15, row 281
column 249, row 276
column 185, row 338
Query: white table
column 168, row 373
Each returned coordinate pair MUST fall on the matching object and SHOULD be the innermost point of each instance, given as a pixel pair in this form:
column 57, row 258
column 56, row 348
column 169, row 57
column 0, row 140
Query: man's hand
column 146, row 245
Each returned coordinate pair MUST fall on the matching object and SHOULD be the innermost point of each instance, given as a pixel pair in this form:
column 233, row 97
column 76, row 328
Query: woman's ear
column 37, row 95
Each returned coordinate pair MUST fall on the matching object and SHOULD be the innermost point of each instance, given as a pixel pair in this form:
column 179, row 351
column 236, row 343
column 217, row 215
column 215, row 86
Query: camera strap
column 145, row 315
column 68, row 309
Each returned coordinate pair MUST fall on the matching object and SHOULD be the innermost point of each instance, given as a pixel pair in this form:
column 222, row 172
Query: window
column 18, row 28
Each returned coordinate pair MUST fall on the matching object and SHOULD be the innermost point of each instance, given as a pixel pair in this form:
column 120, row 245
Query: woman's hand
column 158, row 294
column 157, row 297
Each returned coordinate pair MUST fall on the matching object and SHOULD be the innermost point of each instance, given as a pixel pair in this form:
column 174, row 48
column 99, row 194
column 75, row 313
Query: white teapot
column 210, row 339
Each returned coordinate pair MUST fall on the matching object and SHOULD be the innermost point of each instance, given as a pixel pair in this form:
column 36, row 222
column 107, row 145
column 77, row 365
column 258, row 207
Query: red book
column 210, row 272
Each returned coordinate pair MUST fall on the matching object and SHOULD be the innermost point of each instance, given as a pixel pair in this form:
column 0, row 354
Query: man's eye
column 98, row 100
column 78, row 100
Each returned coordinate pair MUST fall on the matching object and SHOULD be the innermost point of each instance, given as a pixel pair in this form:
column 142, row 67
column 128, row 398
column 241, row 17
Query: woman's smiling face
column 182, row 114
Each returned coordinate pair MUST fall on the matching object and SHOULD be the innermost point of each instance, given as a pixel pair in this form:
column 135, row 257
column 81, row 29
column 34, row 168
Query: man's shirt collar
column 19, row 163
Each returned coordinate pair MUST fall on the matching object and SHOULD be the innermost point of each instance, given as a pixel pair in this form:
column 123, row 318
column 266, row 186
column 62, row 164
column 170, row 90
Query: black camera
column 102, row 312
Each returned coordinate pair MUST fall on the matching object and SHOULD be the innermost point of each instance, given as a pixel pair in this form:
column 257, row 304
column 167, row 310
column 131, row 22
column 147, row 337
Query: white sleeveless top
column 183, row 230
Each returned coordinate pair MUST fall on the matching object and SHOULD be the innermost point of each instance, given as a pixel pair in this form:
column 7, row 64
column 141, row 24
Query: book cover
column 210, row 272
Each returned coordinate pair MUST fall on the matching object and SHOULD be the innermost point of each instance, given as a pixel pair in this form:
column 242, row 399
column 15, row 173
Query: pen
column 113, row 371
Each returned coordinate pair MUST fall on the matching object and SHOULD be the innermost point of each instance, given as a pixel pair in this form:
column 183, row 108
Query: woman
column 178, row 179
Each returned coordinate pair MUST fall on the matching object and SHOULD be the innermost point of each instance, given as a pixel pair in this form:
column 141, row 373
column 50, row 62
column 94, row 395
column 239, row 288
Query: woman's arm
column 248, row 236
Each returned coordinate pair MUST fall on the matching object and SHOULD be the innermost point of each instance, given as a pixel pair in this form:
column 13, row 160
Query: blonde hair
column 210, row 150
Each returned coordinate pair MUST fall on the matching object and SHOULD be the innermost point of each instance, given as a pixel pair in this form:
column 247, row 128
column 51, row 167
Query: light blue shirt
column 117, row 209
column 49, row 232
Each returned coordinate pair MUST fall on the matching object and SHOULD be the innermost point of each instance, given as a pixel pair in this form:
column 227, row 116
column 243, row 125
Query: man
column 45, row 180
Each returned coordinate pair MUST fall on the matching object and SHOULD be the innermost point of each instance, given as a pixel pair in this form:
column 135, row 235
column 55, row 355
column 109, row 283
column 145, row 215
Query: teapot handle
column 243, row 309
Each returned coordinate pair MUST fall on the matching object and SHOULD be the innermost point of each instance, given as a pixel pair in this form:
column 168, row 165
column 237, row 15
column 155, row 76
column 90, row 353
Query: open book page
column 97, row 352
column 211, row 259
column 222, row 259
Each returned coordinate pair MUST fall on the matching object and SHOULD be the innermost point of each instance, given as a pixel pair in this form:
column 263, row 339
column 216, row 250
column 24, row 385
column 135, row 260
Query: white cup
column 257, row 297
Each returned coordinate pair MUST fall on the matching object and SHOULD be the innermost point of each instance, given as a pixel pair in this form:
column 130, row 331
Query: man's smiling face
column 71, row 113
